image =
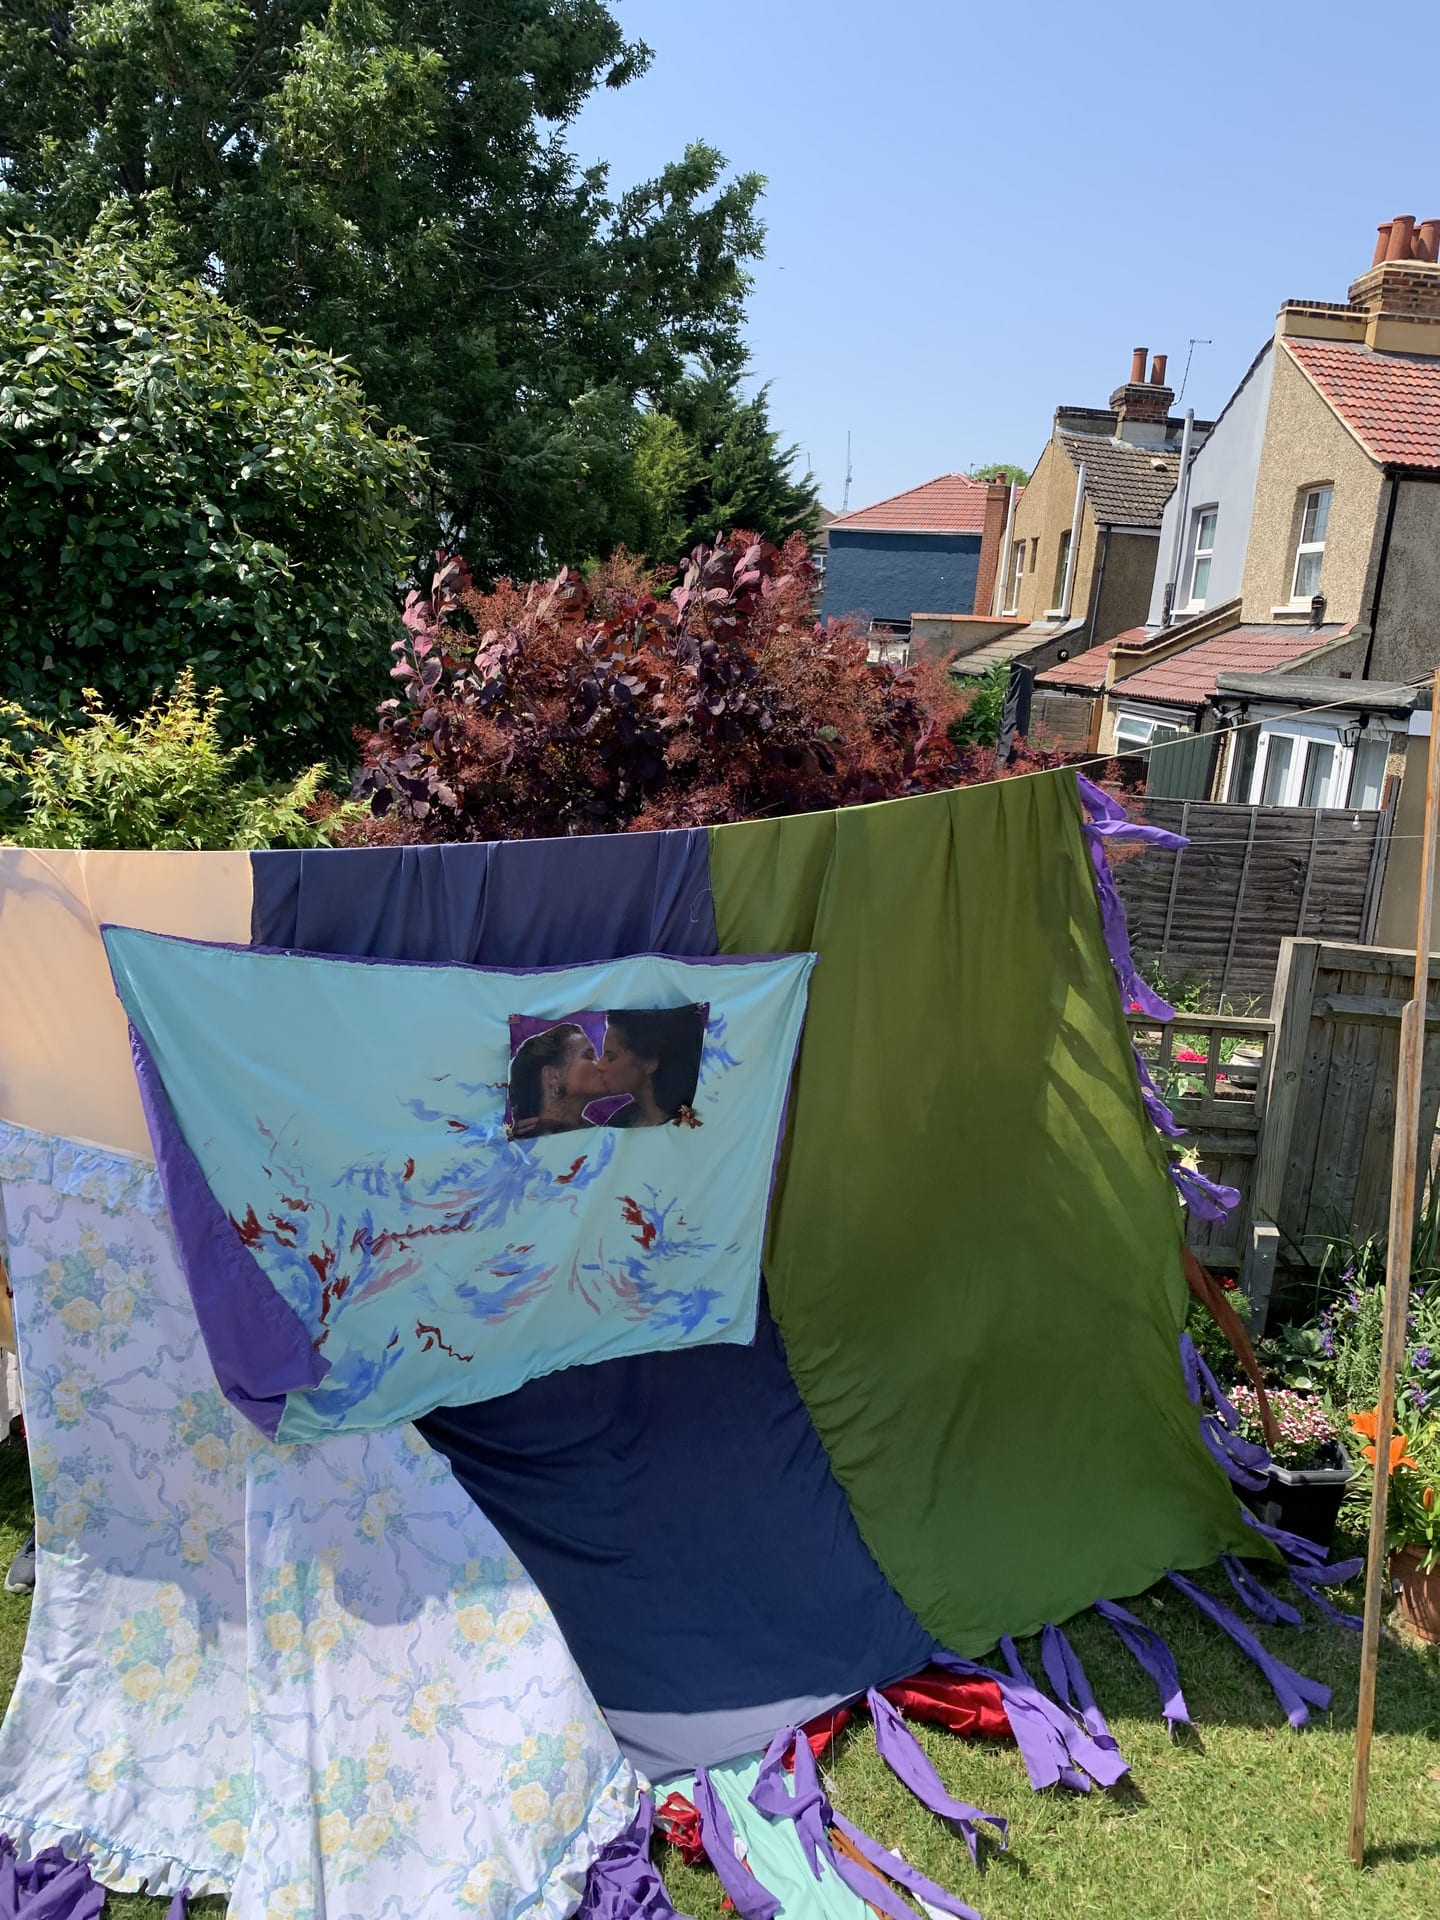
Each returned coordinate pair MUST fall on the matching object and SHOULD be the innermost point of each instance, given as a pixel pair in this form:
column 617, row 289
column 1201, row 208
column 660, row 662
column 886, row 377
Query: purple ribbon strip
column 911, row 1878
column 1154, row 1657
column 1206, row 1199
column 623, row 1882
column 1295, row 1693
column 1308, row 1569
column 1310, row 1581
column 51, row 1887
column 750, row 1899
column 1055, row 1750
column 1258, row 1598
column 1071, row 1686
column 805, row 1803
column 910, row 1764
column 1247, row 1464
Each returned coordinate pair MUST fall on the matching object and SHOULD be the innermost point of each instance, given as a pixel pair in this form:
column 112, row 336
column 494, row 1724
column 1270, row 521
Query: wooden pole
column 1404, row 1168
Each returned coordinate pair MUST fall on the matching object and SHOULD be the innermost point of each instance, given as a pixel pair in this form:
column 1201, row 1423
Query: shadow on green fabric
column 974, row 1251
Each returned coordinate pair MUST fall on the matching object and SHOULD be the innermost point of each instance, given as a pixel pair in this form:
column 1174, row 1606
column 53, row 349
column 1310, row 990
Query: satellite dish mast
column 849, row 475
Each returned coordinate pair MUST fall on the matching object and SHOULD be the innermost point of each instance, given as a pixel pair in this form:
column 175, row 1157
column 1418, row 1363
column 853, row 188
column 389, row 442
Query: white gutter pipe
column 1002, row 570
column 1182, row 505
column 1074, row 543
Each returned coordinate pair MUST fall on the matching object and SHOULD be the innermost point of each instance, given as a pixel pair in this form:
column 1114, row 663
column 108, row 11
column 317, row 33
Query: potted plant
column 1412, row 1518
column 1310, row 1469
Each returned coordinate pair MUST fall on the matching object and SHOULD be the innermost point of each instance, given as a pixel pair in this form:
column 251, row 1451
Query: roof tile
column 1126, row 485
column 1390, row 401
column 953, row 503
column 1085, row 672
column 1188, row 679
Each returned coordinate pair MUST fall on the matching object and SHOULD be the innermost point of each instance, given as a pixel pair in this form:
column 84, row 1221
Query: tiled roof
column 1187, row 679
column 1084, row 672
column 953, row 503
column 1390, row 401
column 1126, row 485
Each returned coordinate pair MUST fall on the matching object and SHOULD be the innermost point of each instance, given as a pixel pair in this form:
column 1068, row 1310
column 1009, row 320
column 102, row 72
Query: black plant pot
column 1305, row 1500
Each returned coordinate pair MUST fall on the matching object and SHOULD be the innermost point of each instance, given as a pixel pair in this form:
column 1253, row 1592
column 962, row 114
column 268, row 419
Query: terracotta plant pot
column 1417, row 1594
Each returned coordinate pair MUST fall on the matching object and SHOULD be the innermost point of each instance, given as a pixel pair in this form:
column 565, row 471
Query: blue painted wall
column 894, row 575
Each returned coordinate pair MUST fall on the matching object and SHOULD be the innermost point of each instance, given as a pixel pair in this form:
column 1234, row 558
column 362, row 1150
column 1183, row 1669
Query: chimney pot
column 1429, row 238
column 1402, row 231
column 1157, row 370
column 1137, row 367
column 1382, row 242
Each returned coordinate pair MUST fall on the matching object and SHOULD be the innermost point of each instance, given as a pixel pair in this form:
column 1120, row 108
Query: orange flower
column 1365, row 1423
column 1398, row 1456
column 1427, row 1499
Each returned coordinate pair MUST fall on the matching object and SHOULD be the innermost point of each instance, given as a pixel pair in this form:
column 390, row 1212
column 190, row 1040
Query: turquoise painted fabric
column 349, row 1119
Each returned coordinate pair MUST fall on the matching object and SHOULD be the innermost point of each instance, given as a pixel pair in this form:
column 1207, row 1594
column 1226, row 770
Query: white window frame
column 1199, row 553
column 1305, row 548
column 1143, row 727
column 1302, row 735
column 1014, row 575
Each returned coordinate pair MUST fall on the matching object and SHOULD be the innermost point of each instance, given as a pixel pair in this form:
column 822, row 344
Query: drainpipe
column 1099, row 589
column 1380, row 573
column 1181, row 505
column 1002, row 571
column 1074, row 543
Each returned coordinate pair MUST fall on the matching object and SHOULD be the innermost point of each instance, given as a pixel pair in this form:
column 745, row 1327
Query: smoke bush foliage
column 164, row 780
column 592, row 706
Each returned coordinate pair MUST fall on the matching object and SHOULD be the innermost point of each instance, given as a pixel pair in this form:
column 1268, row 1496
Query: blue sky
column 975, row 212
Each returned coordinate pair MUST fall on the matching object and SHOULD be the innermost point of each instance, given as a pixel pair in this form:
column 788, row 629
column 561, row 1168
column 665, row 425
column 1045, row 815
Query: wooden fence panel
column 1250, row 877
column 1212, row 1071
column 1323, row 1165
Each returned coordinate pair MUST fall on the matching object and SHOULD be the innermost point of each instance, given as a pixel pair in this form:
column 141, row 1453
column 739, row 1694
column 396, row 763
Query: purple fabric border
column 259, row 1347
column 1104, row 820
column 454, row 966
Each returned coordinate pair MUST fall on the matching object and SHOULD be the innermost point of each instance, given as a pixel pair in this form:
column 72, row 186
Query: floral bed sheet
column 312, row 1677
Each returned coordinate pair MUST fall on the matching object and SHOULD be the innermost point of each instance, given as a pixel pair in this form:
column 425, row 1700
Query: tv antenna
column 849, row 475
column 1188, row 358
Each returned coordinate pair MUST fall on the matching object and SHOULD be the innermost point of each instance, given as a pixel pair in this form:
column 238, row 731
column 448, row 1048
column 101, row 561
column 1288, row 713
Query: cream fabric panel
column 64, row 1044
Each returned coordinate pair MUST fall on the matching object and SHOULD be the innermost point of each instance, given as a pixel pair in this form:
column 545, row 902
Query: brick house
column 1301, row 544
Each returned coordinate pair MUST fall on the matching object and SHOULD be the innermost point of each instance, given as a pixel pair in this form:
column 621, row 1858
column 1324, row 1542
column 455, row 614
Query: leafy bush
column 164, row 780
column 179, row 488
column 978, row 724
column 587, row 706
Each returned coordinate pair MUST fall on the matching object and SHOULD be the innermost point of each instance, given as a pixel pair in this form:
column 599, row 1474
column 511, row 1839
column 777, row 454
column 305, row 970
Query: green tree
column 712, row 462
column 1000, row 470
column 179, row 489
column 390, row 178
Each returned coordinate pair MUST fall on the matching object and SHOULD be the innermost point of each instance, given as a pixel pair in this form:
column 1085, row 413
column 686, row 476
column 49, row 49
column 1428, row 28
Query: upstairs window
column 1015, row 573
column 1062, row 561
column 1205, row 521
column 1314, row 519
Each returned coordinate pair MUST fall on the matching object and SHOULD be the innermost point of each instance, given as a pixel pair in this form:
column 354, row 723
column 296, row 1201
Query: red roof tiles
column 1085, row 672
column 1187, row 679
column 1390, row 401
column 953, row 503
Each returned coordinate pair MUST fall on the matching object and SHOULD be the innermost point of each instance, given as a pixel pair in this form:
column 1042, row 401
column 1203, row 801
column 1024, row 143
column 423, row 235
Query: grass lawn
column 1244, row 1820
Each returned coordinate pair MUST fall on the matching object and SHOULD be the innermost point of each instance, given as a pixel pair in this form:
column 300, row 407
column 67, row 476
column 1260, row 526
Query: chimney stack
column 1400, row 294
column 1141, row 406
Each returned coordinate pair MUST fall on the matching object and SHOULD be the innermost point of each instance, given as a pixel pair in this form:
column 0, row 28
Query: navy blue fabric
column 679, row 1514
column 676, row 1510
column 494, row 905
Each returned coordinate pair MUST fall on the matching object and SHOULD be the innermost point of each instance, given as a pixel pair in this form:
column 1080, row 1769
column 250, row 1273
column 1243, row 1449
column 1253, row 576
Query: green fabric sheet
column 974, row 1251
